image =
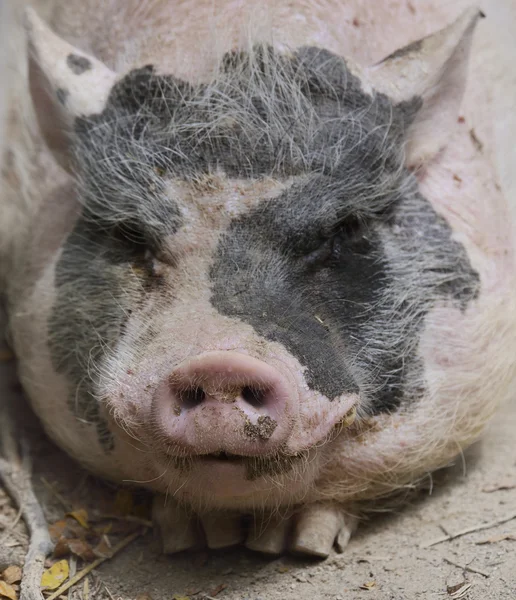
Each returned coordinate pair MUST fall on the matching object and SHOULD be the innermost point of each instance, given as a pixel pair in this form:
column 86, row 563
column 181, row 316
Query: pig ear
column 65, row 83
column 433, row 69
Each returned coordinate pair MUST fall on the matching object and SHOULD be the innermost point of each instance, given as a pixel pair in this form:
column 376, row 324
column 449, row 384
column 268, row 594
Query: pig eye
column 130, row 237
column 347, row 236
column 322, row 255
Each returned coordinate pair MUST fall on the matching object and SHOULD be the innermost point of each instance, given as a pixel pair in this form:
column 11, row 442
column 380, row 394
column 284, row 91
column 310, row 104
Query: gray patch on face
column 62, row 95
column 106, row 270
column 264, row 115
column 78, row 64
column 100, row 279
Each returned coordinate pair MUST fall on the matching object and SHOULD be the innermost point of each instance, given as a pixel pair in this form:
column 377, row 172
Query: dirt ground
column 387, row 558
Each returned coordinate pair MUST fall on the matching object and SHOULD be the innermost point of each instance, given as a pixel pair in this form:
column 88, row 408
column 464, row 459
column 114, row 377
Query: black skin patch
column 62, row 96
column 321, row 269
column 325, row 287
column 96, row 267
column 78, row 64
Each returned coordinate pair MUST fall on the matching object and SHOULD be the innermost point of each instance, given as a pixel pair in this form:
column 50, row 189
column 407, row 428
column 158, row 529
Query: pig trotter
column 222, row 529
column 321, row 526
column 269, row 536
column 176, row 526
column 312, row 531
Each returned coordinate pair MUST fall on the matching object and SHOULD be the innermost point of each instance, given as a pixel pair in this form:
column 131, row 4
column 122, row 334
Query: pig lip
column 222, row 456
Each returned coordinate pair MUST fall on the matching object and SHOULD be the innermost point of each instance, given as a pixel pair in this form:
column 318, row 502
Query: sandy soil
column 386, row 554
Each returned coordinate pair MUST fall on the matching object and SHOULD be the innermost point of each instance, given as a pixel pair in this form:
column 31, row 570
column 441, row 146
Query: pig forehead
column 264, row 113
column 217, row 199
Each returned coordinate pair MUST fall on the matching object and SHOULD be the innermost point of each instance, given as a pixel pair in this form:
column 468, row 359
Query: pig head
column 251, row 263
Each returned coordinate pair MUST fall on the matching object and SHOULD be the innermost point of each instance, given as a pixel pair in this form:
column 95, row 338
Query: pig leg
column 318, row 527
column 178, row 528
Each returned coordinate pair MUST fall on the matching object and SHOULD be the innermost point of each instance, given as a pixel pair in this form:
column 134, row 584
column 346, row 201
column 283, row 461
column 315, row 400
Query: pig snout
column 226, row 402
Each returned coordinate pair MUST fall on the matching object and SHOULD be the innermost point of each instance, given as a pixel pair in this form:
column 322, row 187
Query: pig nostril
column 191, row 397
column 253, row 396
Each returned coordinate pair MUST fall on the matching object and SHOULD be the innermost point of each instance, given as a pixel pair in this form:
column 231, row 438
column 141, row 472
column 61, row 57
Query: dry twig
column 467, row 568
column 10, row 530
column 15, row 473
column 51, row 488
column 453, row 536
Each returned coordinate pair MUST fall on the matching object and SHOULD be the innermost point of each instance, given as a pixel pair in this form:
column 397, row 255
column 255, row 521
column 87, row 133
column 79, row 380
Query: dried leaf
column 12, row 574
column 81, row 516
column 58, row 573
column 502, row 485
column 459, row 590
column 103, row 549
column 215, row 591
column 451, row 589
column 368, row 585
column 57, row 529
column 144, row 596
column 7, row 591
column 498, row 538
column 124, row 502
column 81, row 548
column 181, row 598
column 282, row 569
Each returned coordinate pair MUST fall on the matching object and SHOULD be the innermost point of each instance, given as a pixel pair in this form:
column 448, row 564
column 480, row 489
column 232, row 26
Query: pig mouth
column 254, row 467
column 224, row 456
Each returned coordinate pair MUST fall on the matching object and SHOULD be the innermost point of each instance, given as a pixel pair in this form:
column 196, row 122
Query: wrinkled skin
column 269, row 283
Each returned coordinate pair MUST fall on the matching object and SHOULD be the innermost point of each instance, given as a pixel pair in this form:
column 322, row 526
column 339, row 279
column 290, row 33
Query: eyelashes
column 346, row 237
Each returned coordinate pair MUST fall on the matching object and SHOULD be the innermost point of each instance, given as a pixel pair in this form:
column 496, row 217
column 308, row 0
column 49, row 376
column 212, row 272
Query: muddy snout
column 225, row 402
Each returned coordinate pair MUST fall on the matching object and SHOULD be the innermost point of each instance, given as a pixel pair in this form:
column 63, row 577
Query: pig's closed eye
column 139, row 247
column 131, row 238
column 346, row 237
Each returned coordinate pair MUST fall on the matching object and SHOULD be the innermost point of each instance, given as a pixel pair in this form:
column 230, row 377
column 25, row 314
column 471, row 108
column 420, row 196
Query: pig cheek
column 129, row 404
column 321, row 419
column 468, row 373
column 49, row 391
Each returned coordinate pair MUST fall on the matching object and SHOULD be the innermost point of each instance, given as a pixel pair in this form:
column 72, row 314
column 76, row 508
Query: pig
column 257, row 257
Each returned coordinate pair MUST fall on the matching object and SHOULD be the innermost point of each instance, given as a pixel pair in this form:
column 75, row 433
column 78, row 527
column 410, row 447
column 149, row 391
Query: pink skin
column 216, row 402
column 173, row 426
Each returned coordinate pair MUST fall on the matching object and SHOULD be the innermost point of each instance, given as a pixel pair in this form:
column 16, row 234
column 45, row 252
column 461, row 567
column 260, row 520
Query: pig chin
column 248, row 482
